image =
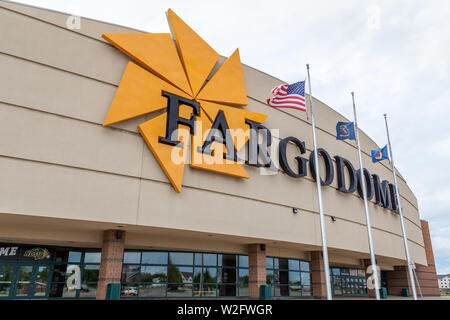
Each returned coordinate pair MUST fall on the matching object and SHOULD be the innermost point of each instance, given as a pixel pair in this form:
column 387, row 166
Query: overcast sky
column 394, row 54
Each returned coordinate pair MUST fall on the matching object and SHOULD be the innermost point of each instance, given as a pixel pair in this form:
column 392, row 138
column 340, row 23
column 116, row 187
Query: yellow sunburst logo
column 181, row 69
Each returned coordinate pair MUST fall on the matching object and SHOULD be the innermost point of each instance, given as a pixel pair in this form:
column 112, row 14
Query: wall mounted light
column 333, row 218
column 119, row 234
column 294, row 210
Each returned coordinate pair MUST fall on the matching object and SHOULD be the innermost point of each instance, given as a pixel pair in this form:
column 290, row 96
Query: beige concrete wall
column 57, row 161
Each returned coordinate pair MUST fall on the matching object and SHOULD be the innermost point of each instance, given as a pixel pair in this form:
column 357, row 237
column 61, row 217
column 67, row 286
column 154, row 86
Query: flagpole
column 319, row 192
column 400, row 210
column 366, row 206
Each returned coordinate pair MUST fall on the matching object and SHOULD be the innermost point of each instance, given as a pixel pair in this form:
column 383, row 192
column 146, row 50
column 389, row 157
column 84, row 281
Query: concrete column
column 112, row 259
column 318, row 283
column 257, row 268
column 367, row 263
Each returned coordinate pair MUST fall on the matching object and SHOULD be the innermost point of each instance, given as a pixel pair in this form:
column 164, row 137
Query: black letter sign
column 255, row 149
column 341, row 164
column 220, row 125
column 173, row 119
column 328, row 166
column 369, row 184
column 301, row 161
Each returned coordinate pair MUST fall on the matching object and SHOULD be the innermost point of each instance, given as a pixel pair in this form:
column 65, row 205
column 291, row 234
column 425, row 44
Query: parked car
column 130, row 291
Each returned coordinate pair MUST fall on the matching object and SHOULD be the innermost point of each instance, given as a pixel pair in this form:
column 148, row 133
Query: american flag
column 289, row 96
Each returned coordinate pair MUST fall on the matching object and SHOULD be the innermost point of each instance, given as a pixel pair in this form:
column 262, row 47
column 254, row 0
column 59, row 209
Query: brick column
column 319, row 287
column 367, row 263
column 427, row 276
column 399, row 278
column 257, row 268
column 112, row 258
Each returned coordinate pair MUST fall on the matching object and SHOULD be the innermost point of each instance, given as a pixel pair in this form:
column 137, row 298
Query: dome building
column 88, row 186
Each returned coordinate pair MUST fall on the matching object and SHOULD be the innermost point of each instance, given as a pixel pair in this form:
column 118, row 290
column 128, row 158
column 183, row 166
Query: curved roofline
column 71, row 14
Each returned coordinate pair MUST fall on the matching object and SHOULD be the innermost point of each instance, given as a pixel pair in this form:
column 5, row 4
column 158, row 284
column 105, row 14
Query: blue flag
column 380, row 154
column 345, row 130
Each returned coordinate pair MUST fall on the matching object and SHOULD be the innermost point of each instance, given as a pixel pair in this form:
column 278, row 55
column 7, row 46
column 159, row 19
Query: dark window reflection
column 228, row 260
column 154, row 257
column 288, row 277
column 184, row 274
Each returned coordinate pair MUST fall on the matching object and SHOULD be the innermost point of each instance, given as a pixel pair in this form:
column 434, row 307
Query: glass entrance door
column 30, row 281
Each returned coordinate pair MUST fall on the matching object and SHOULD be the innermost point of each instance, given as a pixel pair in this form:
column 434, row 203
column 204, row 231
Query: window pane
column 61, row 255
column 269, row 276
column 228, row 275
column 56, row 290
column 282, row 291
column 306, row 278
column 227, row 290
column 152, row 290
column 345, row 271
column 295, row 290
column 283, row 264
column 210, row 275
column 243, row 290
column 294, row 265
column 88, row 290
column 198, row 259
column 42, row 277
column 90, row 272
column 154, row 257
column 23, row 282
column 243, row 261
column 179, row 290
column 294, row 278
column 337, row 285
column 209, row 259
column 269, row 263
column 180, row 274
column 92, row 257
column 198, row 277
column 304, row 266
column 60, row 290
column 276, row 277
column 243, row 276
column 205, row 290
column 284, row 277
column 59, row 273
column 132, row 257
column 154, row 274
column 130, row 273
column 306, row 283
column 276, row 264
column 129, row 290
column 185, row 258
column 6, row 272
column 228, row 260
column 243, row 283
column 336, row 271
column 74, row 256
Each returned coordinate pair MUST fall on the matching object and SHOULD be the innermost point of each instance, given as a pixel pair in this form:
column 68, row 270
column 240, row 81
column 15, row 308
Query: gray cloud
column 393, row 54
